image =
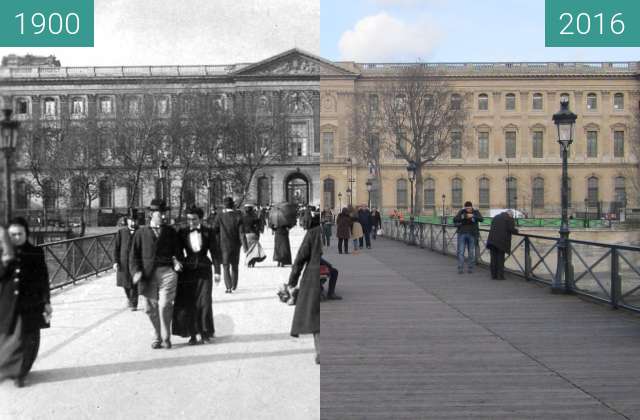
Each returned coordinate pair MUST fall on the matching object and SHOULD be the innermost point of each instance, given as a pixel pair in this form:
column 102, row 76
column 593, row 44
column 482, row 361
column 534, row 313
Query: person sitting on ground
column 333, row 279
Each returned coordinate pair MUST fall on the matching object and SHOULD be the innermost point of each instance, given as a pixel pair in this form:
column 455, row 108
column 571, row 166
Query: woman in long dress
column 282, row 248
column 24, row 303
column 252, row 227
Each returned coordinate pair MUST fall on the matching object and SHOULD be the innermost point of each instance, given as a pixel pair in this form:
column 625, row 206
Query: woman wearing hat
column 252, row 226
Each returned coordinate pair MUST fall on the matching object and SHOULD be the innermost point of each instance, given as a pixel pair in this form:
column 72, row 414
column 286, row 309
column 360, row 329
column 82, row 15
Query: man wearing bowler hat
column 229, row 226
column 155, row 261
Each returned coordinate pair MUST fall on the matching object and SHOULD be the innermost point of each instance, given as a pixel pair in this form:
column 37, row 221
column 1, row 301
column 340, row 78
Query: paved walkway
column 96, row 361
column 413, row 339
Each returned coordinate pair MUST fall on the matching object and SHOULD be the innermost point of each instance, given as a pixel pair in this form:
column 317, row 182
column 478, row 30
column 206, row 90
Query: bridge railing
column 71, row 260
column 606, row 272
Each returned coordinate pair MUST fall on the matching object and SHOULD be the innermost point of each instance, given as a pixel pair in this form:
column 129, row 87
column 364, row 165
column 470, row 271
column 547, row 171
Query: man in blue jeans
column 467, row 221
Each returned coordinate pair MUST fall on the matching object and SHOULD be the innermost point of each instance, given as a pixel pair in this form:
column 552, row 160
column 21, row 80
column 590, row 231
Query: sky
column 445, row 31
column 188, row 32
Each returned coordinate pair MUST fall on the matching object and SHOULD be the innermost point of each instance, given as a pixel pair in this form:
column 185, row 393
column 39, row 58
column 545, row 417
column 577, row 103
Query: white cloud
column 385, row 38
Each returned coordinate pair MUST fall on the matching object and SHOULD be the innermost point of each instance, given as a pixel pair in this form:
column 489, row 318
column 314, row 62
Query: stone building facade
column 46, row 90
column 513, row 158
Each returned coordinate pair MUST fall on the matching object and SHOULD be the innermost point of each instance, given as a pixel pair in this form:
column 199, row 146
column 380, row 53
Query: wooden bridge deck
column 414, row 339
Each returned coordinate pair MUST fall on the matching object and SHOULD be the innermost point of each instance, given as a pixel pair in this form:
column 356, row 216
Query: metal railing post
column 444, row 239
column 527, row 258
column 616, row 280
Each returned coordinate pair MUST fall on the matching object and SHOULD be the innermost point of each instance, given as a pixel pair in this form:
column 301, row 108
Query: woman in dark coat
column 343, row 232
column 306, row 318
column 252, row 227
column 499, row 242
column 122, row 249
column 24, row 305
column 282, row 247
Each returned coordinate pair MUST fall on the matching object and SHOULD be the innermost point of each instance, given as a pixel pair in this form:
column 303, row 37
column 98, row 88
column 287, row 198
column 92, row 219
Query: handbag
column 379, row 232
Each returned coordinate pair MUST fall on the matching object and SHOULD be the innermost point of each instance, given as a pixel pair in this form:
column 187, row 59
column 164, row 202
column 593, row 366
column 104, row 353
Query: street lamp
column 8, row 142
column 508, row 181
column 411, row 174
column 351, row 180
column 162, row 174
column 444, row 217
column 349, row 194
column 340, row 201
column 564, row 120
column 369, row 187
column 586, row 212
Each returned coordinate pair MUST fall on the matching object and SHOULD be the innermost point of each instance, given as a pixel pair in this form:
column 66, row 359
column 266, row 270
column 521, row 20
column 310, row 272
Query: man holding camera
column 467, row 221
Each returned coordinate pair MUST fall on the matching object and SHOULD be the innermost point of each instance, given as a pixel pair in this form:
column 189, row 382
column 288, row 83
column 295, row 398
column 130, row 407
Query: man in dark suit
column 228, row 225
column 364, row 217
column 193, row 313
column 122, row 249
column 499, row 242
column 155, row 261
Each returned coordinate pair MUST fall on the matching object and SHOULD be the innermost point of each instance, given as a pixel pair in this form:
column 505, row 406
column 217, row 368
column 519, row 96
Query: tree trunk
column 417, row 200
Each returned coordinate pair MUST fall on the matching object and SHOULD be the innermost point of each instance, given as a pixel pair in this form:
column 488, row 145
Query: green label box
column 46, row 23
column 592, row 23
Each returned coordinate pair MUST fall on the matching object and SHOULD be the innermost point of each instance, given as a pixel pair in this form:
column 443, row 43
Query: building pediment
column 294, row 63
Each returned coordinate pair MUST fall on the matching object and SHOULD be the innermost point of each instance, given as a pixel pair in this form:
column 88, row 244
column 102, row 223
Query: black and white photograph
column 160, row 232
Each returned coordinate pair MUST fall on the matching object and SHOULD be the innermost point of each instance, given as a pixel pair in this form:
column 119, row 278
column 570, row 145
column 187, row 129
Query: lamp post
column 369, row 187
column 508, row 181
column 411, row 174
column 349, row 196
column 340, row 201
column 8, row 143
column 351, row 180
column 564, row 120
column 586, row 213
column 162, row 174
column 444, row 216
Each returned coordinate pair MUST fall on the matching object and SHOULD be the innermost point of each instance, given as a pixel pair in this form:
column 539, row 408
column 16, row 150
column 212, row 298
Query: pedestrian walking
column 25, row 307
column 499, row 242
column 326, row 224
column 306, row 317
column 252, row 227
column 376, row 221
column 343, row 230
column 364, row 217
column 467, row 221
column 193, row 311
column 155, row 261
column 228, row 225
column 282, row 246
column 356, row 233
column 121, row 252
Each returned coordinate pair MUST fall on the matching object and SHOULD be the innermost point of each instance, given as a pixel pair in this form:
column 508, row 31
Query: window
column 538, row 193
column 592, row 102
column 162, row 106
column 77, row 106
column 618, row 144
column 510, row 144
column 483, row 193
column 329, row 193
column 133, row 106
column 618, row 101
column 400, row 102
column 483, row 145
column 373, row 103
column 510, row 102
column 299, row 139
column 327, row 143
column 592, row 144
column 564, row 97
column 428, row 101
column 483, row 102
column 456, row 145
column 50, row 107
column 187, row 105
column 537, row 141
column 512, row 193
column 106, row 105
column 104, row 193
column 456, row 102
column 430, row 193
column 592, row 191
column 620, row 191
column 456, row 192
column 401, row 194
column 22, row 106
column 536, row 103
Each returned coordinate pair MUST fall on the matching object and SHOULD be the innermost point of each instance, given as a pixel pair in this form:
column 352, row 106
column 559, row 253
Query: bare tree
column 423, row 117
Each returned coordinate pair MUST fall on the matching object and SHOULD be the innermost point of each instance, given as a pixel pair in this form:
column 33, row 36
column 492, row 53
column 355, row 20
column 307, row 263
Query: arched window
column 592, row 101
column 105, row 194
column 620, row 191
column 512, row 193
column 327, row 145
column 484, row 193
column 329, row 187
column 538, row 144
column 401, row 194
column 536, row 102
column 21, row 194
column 49, row 194
column 618, row 143
column 456, row 145
column 483, row 145
column 430, row 193
column 510, row 102
column 456, row 192
column 483, row 102
column 538, row 193
column 592, row 191
column 618, row 101
column 510, row 144
column 592, row 144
